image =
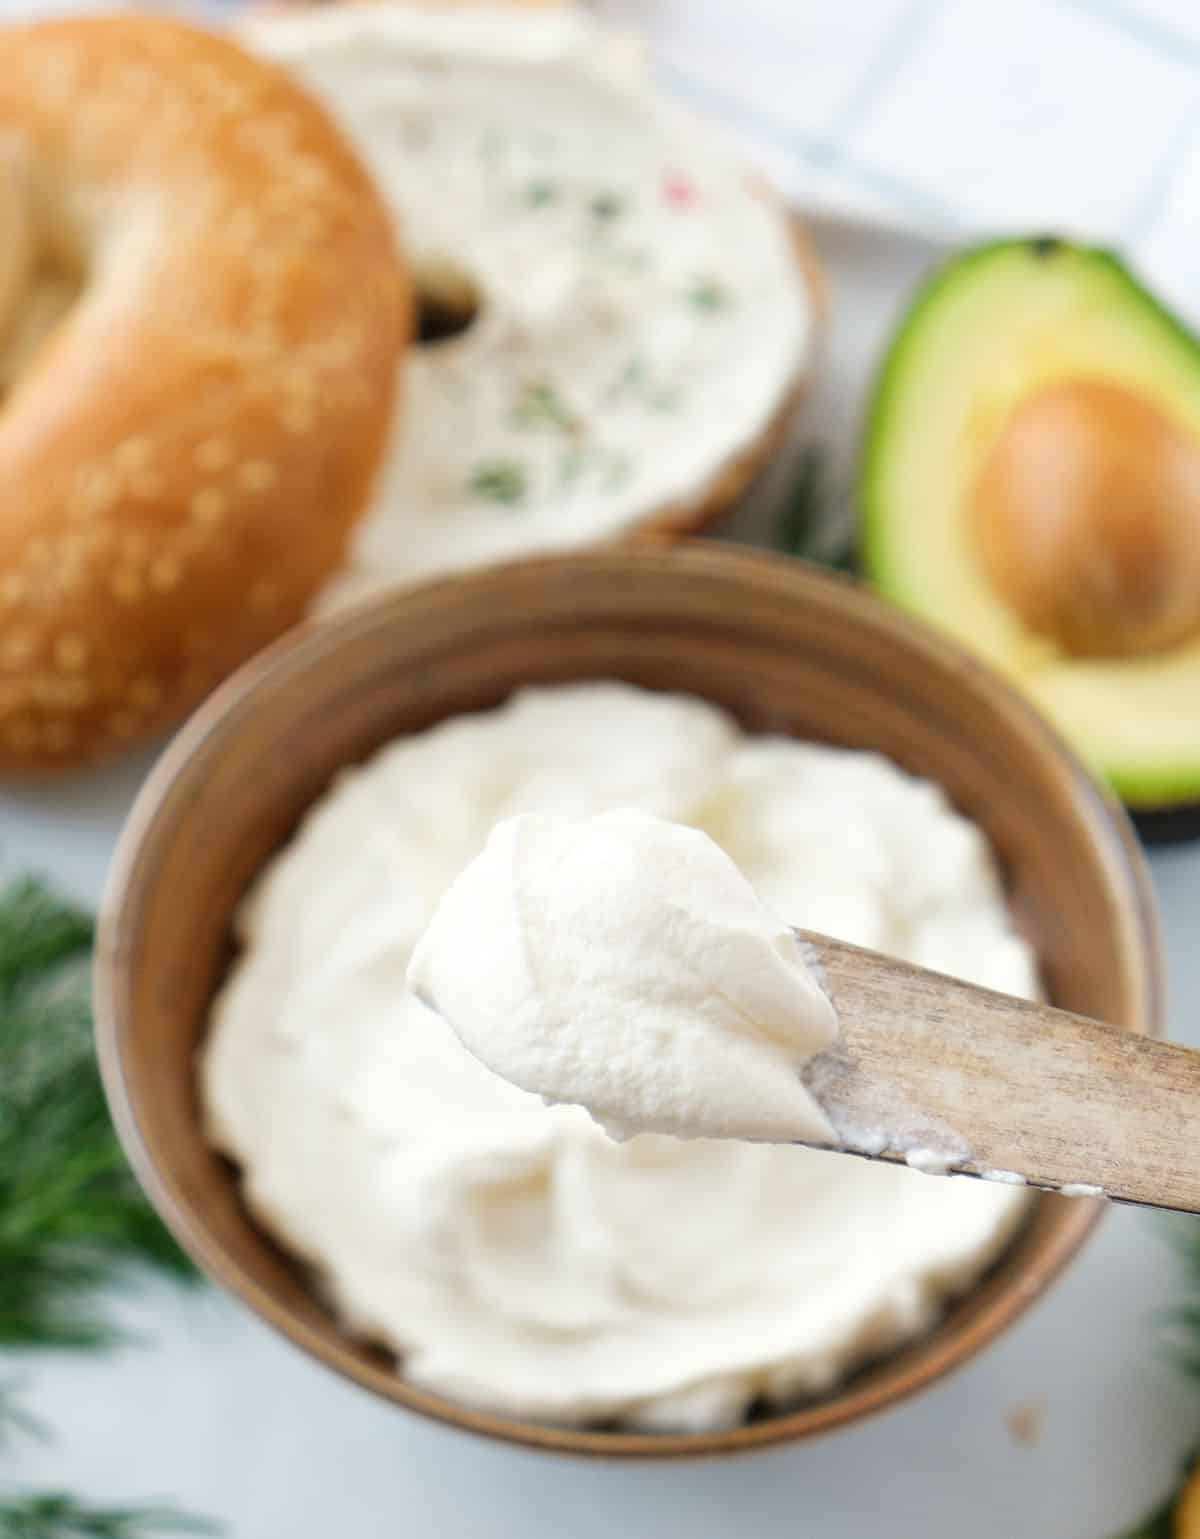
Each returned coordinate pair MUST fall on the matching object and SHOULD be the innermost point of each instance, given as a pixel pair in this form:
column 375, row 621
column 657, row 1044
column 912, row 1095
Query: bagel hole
column 447, row 302
column 51, row 294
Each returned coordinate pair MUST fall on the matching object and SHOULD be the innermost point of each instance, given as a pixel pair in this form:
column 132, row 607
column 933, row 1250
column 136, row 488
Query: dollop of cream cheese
column 511, row 1253
column 635, row 314
column 624, row 964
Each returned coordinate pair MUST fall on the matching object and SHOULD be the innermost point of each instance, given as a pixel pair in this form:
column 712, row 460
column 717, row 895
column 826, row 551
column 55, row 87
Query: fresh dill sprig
column 708, row 294
column 1183, row 1321
column 1183, row 1344
column 57, row 1515
column 1163, row 1522
column 502, row 481
column 71, row 1214
column 806, row 525
column 1159, row 1525
column 541, row 405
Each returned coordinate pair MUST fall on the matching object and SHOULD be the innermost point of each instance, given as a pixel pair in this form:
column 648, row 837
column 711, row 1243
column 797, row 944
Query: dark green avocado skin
column 1173, row 825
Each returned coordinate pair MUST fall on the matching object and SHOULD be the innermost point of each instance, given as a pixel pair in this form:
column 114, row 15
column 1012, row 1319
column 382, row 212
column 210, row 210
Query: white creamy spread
column 513, row 1254
column 640, row 313
column 624, row 964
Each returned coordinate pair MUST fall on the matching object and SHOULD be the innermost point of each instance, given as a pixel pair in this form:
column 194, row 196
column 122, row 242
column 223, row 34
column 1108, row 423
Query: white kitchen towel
column 962, row 117
column 958, row 118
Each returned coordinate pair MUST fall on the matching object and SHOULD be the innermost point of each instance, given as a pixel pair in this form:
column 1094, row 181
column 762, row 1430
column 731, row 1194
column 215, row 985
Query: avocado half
column 997, row 327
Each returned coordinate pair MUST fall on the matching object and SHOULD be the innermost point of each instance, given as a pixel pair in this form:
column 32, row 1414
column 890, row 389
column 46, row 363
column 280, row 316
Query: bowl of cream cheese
column 323, row 1145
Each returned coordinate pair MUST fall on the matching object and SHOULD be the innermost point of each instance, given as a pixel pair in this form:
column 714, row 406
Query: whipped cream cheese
column 624, row 964
column 511, row 1253
column 636, row 311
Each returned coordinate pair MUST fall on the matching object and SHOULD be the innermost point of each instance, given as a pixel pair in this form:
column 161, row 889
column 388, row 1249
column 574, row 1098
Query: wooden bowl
column 784, row 648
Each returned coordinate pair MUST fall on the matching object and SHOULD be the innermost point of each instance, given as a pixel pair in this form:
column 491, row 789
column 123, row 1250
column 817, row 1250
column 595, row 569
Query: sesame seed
column 208, row 505
column 97, row 489
column 341, row 349
column 298, row 417
column 265, row 262
column 242, row 226
column 16, row 649
column 71, row 652
column 213, row 454
column 309, row 173
column 165, row 572
column 263, row 340
column 257, row 475
column 74, row 544
column 299, row 380
column 126, row 585
column 13, row 588
column 133, row 453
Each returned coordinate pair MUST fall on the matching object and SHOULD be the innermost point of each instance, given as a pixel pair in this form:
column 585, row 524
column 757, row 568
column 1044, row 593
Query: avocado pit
column 1087, row 519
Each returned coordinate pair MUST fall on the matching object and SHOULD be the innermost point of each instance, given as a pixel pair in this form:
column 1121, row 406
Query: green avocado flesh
column 993, row 327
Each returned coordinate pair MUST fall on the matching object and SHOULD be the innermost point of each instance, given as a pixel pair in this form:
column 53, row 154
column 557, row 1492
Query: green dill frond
column 56, row 1515
column 1182, row 1346
column 805, row 525
column 37, row 931
column 1181, row 1322
column 72, row 1217
column 1158, row 1525
column 1161, row 1522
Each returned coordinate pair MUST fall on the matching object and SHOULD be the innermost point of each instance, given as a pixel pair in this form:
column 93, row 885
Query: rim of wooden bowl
column 994, row 1303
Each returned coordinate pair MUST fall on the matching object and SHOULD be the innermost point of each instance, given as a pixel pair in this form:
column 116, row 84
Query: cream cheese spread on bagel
column 615, row 311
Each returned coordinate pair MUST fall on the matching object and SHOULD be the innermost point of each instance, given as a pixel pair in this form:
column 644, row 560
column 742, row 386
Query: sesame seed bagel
column 201, row 309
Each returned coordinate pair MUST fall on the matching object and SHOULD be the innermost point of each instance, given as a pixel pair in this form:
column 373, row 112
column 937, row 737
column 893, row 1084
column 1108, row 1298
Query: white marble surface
column 215, row 1412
